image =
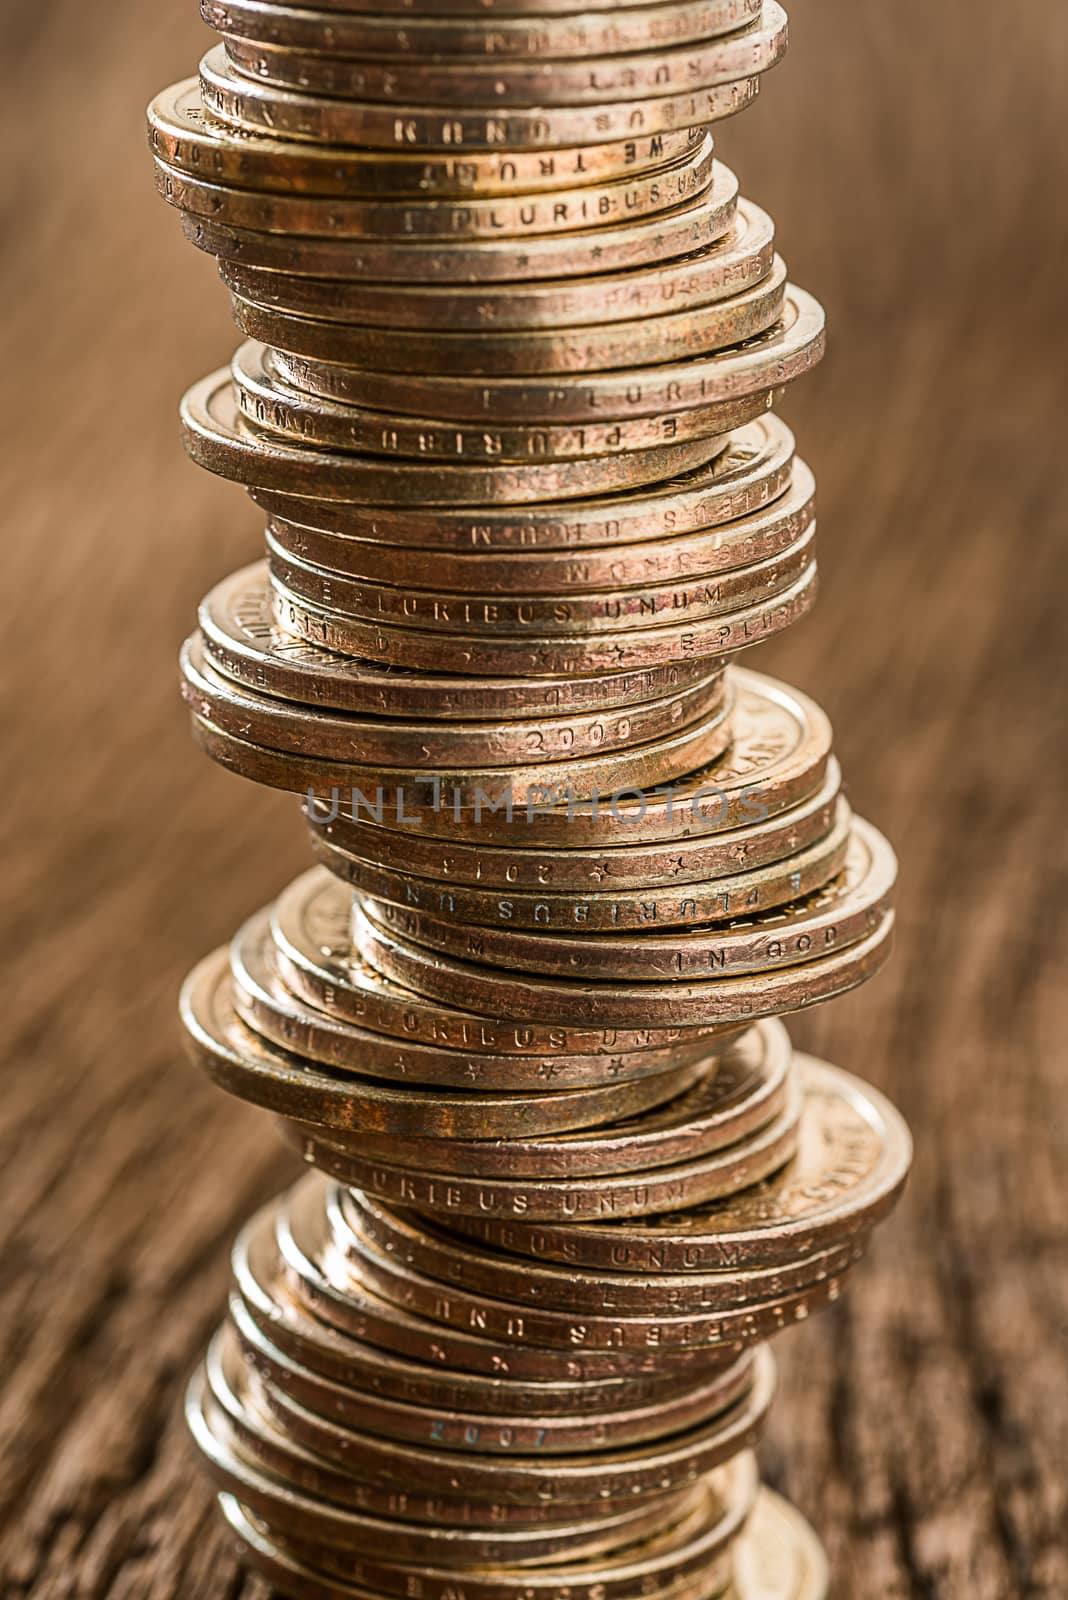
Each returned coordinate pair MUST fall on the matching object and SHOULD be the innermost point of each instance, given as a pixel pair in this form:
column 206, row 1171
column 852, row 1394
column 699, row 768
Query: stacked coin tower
column 513, row 344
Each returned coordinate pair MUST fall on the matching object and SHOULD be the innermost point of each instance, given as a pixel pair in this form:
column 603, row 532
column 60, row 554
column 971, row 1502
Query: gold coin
column 184, row 135
column 612, row 31
column 746, row 541
column 671, row 337
column 737, row 261
column 539, row 616
column 559, row 656
column 399, row 790
column 769, row 361
column 731, row 1001
column 753, row 469
column 629, row 245
column 637, row 195
column 243, row 641
column 219, row 438
column 462, row 127
column 591, row 83
column 414, row 749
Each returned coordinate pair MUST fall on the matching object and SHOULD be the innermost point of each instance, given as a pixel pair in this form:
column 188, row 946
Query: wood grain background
column 913, row 155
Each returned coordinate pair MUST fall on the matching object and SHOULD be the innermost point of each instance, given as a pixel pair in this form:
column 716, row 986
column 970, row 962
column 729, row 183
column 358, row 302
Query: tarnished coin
column 738, row 1093
column 851, row 1165
column 844, row 911
column 618, row 570
column 318, row 962
column 770, row 361
column 685, row 1559
column 303, row 1493
column 358, row 1363
column 742, row 258
column 752, row 470
column 242, row 639
column 673, row 336
column 218, row 437
column 558, row 655
column 729, row 1001
column 292, row 213
column 592, row 83
column 705, row 1331
column 527, row 868
column 614, row 1476
column 745, row 892
column 262, row 1001
column 183, row 134
column 437, row 1427
column 438, row 1252
column 584, row 1196
column 344, row 31
column 434, row 744
column 246, row 1064
column 544, row 616
column 335, row 1288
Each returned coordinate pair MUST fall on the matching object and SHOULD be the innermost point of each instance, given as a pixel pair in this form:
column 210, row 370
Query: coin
column 630, row 1474
column 753, row 469
column 748, row 892
column 244, row 1063
column 440, row 1428
column 183, row 134
column 778, row 1555
column 336, row 1289
column 343, row 31
column 262, row 1001
column 851, row 1165
column 738, row 1092
column 742, row 257
column 218, row 437
column 769, row 361
column 594, row 83
column 778, row 757
column 242, row 640
column 636, row 195
column 688, row 1560
column 559, row 655
column 503, row 10
column 668, row 1333
column 252, row 1455
column 483, row 789
column 700, row 1177
column 672, row 336
column 357, row 1363
column 318, row 962
column 432, row 744
column 438, row 1253
column 731, row 1001
column 844, row 911
column 571, row 611
column 742, row 542
column 656, row 239
column 622, row 865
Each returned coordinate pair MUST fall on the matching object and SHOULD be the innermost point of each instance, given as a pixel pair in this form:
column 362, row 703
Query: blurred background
column 913, row 156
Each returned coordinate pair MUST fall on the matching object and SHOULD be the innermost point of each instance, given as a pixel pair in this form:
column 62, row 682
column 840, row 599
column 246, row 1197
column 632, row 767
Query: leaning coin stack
column 513, row 340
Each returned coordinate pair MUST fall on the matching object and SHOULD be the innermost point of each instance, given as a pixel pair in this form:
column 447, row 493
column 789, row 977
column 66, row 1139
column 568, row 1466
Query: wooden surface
column 909, row 152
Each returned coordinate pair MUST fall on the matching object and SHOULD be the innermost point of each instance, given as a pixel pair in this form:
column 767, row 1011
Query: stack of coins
column 513, row 340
